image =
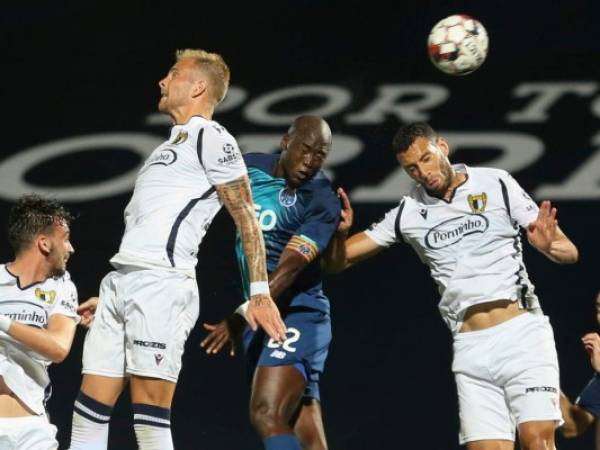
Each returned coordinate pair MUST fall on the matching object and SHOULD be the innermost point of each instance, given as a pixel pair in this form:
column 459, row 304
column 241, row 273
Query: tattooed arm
column 237, row 198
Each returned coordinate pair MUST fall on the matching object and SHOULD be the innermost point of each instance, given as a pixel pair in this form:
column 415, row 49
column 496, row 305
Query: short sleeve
column 589, row 399
column 520, row 205
column 321, row 220
column 220, row 155
column 386, row 232
column 66, row 300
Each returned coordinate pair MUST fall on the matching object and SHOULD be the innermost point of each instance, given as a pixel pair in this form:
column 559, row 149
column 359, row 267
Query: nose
column 71, row 249
column 162, row 83
column 309, row 161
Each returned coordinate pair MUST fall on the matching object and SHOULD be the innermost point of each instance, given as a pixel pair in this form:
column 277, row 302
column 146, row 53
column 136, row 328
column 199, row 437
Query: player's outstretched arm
column 53, row 343
column 546, row 236
column 577, row 419
column 237, row 198
column 342, row 251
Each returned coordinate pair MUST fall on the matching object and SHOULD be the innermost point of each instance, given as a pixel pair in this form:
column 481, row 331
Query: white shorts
column 506, row 375
column 30, row 432
column 142, row 322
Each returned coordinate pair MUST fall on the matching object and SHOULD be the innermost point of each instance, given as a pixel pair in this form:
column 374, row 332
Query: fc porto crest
column 180, row 138
column 477, row 202
column 287, row 198
column 45, row 296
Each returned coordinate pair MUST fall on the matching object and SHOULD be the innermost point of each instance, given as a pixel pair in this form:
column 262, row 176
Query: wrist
column 5, row 323
column 259, row 287
column 242, row 310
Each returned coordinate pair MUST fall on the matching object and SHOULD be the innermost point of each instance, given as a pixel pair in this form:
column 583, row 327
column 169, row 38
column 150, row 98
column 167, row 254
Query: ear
column 443, row 145
column 199, row 88
column 285, row 140
column 43, row 244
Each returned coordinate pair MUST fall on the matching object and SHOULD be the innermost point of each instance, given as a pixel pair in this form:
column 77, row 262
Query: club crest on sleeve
column 287, row 198
column 180, row 138
column 477, row 202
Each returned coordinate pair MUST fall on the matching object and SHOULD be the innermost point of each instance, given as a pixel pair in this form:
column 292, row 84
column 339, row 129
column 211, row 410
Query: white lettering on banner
column 583, row 184
column 405, row 102
column 14, row 168
column 336, row 99
column 389, row 102
column 546, row 96
column 518, row 151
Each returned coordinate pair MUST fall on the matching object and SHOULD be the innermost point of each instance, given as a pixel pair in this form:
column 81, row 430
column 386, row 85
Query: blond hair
column 213, row 65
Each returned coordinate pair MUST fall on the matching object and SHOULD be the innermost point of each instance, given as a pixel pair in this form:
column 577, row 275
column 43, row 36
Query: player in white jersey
column 149, row 304
column 464, row 223
column 38, row 303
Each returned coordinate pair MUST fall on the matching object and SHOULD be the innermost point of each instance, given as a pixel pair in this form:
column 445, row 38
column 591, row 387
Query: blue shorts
column 589, row 399
column 306, row 347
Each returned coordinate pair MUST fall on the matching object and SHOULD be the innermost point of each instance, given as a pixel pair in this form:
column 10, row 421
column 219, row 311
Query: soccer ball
column 457, row 45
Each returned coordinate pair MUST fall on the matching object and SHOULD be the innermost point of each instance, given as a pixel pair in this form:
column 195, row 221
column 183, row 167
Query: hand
column 87, row 311
column 591, row 343
column 228, row 331
column 262, row 311
column 542, row 231
column 347, row 214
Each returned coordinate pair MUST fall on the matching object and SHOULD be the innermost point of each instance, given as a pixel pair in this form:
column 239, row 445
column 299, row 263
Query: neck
column 30, row 268
column 183, row 115
column 456, row 180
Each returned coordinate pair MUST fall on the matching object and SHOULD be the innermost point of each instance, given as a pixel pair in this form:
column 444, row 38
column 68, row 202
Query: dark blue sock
column 282, row 442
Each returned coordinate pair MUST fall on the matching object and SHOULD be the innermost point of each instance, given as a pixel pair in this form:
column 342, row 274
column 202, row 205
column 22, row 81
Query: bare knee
column 152, row 391
column 268, row 419
column 537, row 438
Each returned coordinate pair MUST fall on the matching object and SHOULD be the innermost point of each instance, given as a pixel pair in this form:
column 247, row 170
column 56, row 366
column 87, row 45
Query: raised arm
column 237, row 198
column 546, row 236
column 342, row 251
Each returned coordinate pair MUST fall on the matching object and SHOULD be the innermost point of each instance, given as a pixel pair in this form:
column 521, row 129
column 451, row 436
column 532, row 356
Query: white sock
column 90, row 424
column 152, row 426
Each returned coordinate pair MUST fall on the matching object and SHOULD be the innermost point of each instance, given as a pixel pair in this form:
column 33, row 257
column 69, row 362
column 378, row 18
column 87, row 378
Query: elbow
column 59, row 354
column 569, row 432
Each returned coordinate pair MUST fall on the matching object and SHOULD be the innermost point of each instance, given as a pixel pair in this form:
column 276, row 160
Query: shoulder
column 262, row 161
column 322, row 194
column 488, row 172
column 213, row 132
column 65, row 283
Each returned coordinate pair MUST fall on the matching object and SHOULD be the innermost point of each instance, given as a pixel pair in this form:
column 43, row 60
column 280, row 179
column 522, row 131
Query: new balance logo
column 277, row 354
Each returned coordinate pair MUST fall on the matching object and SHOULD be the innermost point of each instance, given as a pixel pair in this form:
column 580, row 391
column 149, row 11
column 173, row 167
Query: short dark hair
column 33, row 215
column 407, row 134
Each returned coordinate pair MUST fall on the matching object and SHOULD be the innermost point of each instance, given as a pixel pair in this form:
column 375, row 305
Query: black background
column 79, row 68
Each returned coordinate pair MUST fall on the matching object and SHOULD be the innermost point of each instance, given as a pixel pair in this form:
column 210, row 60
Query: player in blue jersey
column 298, row 212
column 586, row 409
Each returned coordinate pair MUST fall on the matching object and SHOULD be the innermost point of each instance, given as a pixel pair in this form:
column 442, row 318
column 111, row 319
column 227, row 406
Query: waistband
column 521, row 319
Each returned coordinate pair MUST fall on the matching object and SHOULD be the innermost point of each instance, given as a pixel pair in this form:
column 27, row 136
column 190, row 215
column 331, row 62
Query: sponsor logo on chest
column 454, row 230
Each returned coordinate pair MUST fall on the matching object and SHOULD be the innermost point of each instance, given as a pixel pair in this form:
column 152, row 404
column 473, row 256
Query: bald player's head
column 304, row 147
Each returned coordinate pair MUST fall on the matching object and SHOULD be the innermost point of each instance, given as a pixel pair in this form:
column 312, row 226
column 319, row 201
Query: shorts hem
column 559, row 420
column 104, row 373
column 488, row 437
column 141, row 373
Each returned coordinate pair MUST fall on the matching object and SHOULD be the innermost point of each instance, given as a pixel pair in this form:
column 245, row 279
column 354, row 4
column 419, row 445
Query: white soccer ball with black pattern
column 458, row 44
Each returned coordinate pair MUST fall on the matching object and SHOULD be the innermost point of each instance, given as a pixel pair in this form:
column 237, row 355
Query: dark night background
column 75, row 69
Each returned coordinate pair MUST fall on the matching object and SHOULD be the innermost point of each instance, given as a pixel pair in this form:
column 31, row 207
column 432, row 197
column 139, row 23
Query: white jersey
column 174, row 199
column 25, row 371
column 471, row 244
